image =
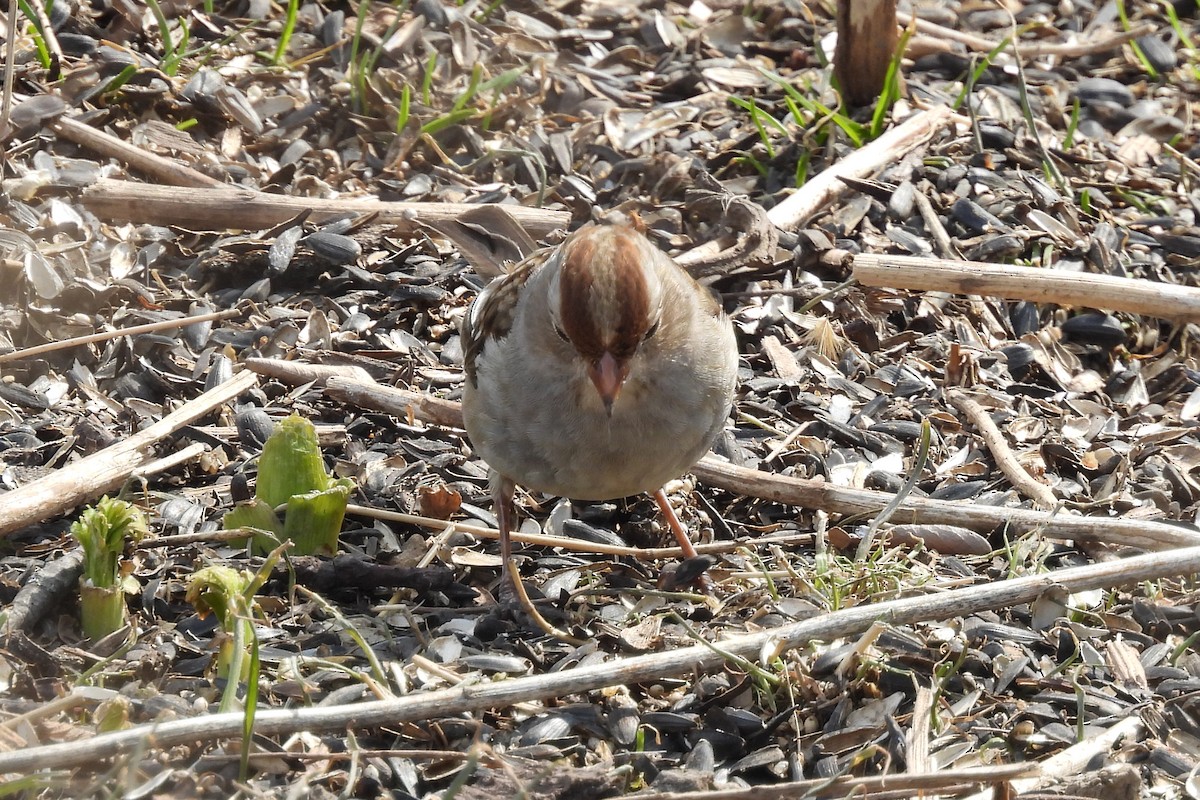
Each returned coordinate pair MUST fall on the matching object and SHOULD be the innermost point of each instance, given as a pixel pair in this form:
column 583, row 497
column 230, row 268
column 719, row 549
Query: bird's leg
column 685, row 544
column 502, row 502
column 664, row 505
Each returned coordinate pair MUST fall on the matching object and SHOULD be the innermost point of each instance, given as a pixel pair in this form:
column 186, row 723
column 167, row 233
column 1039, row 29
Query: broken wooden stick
column 568, row 542
column 818, row 193
column 1006, row 460
column 139, row 158
column 1133, row 295
column 107, row 469
column 816, row 494
column 675, row 662
column 103, row 336
column 981, row 44
column 233, row 208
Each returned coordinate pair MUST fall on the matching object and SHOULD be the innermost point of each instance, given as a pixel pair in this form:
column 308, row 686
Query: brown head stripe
column 633, row 297
column 575, row 290
column 587, row 290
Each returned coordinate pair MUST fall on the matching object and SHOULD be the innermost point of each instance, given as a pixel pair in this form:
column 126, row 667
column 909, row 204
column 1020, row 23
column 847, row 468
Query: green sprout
column 291, row 473
column 103, row 531
column 891, row 86
column 1072, row 126
column 1184, row 39
column 857, row 133
column 979, row 66
column 119, row 80
column 173, row 51
column 760, row 119
column 402, row 113
column 229, row 594
column 427, row 78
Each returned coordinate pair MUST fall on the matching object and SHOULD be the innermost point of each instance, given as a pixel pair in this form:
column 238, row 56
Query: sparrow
column 595, row 370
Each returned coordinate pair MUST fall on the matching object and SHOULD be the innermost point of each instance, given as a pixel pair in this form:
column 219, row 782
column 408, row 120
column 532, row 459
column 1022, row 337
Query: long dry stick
column 944, row 781
column 843, row 500
column 1025, row 483
column 827, row 186
column 161, row 169
column 298, row 372
column 816, row 494
column 567, row 542
column 1028, row 49
column 109, row 468
column 696, row 659
column 1079, row 757
column 135, row 330
column 1163, row 300
column 245, row 209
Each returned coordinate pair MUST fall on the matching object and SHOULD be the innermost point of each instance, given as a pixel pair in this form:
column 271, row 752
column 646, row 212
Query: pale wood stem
column 232, row 208
column 107, row 469
column 1021, row 480
column 680, row 662
column 1153, row 298
column 818, row 495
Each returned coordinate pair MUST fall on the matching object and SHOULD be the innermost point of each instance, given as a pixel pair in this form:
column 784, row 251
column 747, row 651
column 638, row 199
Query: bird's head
column 607, row 302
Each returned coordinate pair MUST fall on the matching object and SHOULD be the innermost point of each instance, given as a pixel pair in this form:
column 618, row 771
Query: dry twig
column 699, row 658
column 982, row 44
column 109, row 468
column 1079, row 757
column 1021, row 480
column 297, row 372
column 814, row 494
column 103, row 336
column 231, row 208
column 567, row 542
column 945, row 781
column 151, row 164
column 823, row 189
column 1163, row 300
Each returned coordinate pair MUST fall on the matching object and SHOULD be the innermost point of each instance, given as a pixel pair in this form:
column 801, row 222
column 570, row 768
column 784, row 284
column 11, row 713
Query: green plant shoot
column 291, row 473
column 103, row 531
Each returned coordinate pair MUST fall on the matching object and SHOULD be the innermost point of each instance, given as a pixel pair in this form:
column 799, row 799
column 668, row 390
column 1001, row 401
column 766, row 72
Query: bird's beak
column 608, row 375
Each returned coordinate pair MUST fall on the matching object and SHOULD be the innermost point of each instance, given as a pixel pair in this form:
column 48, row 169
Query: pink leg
column 664, row 505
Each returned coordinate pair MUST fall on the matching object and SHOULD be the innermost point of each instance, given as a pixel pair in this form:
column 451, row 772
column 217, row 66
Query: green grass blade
column 39, row 39
column 427, row 78
column 1138, row 53
column 447, row 120
column 891, row 86
column 163, row 31
column 856, row 132
column 864, row 547
column 468, row 94
column 251, row 707
column 1072, row 126
column 285, row 35
column 756, row 118
column 402, row 112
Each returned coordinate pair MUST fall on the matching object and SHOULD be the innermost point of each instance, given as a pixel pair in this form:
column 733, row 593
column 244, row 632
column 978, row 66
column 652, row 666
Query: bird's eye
column 561, row 333
column 652, row 330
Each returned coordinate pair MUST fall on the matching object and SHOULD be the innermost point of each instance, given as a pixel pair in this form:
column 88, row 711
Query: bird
column 595, row 370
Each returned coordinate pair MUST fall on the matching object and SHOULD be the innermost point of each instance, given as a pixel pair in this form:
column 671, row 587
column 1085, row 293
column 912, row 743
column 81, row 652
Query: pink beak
column 608, row 375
